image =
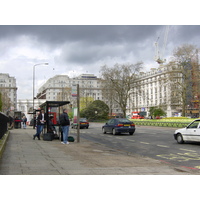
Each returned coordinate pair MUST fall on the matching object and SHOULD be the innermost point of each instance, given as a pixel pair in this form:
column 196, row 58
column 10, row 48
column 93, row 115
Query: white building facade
column 8, row 89
column 26, row 106
column 59, row 87
column 53, row 87
column 153, row 89
column 150, row 89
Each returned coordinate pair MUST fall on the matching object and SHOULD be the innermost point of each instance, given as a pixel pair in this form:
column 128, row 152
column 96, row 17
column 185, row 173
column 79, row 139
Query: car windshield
column 123, row 121
column 83, row 120
column 194, row 124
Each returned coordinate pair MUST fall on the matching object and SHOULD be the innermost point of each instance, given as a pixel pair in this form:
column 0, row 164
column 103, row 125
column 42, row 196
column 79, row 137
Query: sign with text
column 75, row 114
column 74, row 91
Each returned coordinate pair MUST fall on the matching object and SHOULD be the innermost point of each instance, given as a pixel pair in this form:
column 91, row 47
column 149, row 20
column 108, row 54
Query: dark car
column 83, row 123
column 119, row 125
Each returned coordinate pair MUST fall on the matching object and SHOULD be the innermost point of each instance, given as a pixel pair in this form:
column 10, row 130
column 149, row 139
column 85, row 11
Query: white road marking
column 144, row 142
column 162, row 146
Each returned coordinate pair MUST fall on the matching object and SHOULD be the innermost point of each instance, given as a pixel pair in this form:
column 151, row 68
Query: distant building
column 53, row 87
column 150, row 90
column 8, row 90
column 26, row 106
column 59, row 88
column 166, row 87
column 90, row 86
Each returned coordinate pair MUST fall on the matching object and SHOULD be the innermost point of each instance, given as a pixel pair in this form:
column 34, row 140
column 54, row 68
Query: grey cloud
column 83, row 53
column 86, row 43
column 94, row 33
column 108, row 41
column 84, row 48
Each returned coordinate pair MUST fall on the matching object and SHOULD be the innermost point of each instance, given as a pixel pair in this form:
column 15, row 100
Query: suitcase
column 48, row 136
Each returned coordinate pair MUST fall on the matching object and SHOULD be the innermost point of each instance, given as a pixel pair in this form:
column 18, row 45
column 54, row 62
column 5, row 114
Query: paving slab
column 25, row 156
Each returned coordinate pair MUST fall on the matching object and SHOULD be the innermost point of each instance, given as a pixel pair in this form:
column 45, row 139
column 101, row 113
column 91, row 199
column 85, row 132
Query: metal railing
column 3, row 124
column 163, row 124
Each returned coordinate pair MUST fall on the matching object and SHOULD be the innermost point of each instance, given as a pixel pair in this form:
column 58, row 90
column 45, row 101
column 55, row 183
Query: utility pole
column 78, row 114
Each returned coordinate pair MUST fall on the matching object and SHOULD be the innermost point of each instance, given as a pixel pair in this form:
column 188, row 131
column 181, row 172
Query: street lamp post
column 34, row 81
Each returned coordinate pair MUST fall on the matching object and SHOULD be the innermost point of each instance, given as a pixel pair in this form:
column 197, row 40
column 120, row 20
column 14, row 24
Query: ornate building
column 26, row 106
column 8, row 91
column 59, row 88
column 149, row 90
column 171, row 87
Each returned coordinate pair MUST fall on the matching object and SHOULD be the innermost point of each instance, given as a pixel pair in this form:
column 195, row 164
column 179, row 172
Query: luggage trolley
column 52, row 129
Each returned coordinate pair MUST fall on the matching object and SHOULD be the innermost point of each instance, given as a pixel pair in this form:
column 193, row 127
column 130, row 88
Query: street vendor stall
column 17, row 119
column 53, row 111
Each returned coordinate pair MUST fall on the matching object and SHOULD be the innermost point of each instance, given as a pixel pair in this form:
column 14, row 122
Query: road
column 153, row 142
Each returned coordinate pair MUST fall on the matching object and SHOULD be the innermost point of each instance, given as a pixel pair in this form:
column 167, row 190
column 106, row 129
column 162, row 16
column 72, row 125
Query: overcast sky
column 74, row 50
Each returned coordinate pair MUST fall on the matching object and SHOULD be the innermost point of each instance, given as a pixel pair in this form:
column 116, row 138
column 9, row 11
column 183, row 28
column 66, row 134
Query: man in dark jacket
column 41, row 120
column 65, row 123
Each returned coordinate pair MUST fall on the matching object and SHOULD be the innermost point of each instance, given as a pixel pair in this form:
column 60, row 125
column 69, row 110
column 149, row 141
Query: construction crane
column 159, row 55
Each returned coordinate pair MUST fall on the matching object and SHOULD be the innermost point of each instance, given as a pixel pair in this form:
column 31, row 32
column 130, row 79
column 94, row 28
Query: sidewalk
column 25, row 156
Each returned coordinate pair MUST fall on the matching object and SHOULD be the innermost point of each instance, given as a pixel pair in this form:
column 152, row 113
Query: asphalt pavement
column 25, row 156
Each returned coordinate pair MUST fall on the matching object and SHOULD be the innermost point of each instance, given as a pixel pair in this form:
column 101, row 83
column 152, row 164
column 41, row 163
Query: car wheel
column 131, row 133
column 114, row 131
column 179, row 138
column 103, row 130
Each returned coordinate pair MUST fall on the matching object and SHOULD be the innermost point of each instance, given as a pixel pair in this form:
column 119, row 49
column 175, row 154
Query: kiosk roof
column 54, row 103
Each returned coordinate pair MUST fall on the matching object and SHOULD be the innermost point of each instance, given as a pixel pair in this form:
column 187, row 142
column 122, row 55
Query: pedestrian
column 41, row 120
column 65, row 123
column 52, row 128
column 24, row 120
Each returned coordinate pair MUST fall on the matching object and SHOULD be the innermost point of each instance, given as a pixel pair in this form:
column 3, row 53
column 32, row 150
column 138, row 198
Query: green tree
column 97, row 110
column 155, row 111
column 84, row 101
column 151, row 111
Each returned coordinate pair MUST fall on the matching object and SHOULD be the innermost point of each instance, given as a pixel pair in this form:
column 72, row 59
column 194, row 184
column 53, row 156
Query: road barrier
column 163, row 124
column 3, row 124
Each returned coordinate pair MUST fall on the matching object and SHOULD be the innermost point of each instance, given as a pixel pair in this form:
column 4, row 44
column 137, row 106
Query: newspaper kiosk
column 53, row 110
column 17, row 119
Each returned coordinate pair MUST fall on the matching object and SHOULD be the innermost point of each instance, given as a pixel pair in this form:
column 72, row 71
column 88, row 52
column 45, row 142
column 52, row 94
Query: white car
column 189, row 133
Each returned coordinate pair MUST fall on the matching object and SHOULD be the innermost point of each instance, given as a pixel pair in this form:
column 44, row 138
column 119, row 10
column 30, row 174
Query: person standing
column 24, row 120
column 41, row 120
column 65, row 123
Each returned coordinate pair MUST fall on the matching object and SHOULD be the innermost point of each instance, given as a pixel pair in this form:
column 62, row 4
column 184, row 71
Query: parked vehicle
column 83, row 123
column 119, row 125
column 189, row 133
